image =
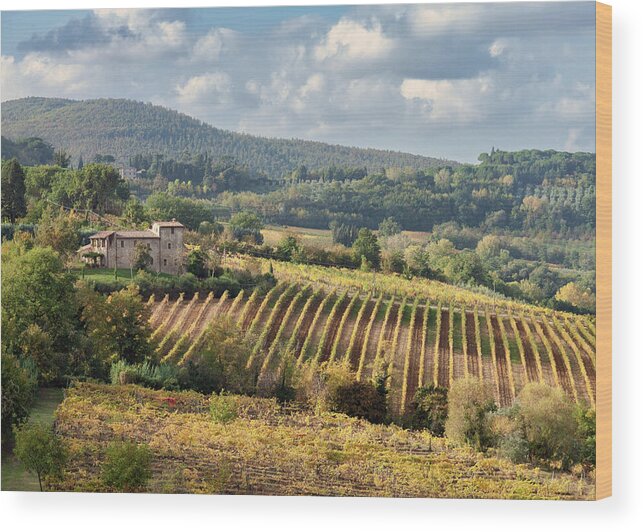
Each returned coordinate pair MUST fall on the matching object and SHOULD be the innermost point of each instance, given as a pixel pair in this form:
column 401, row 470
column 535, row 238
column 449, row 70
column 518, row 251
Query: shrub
column 587, row 445
column 127, row 466
column 359, row 399
column 470, row 405
column 546, row 419
column 429, row 409
column 162, row 376
column 223, row 408
column 40, row 450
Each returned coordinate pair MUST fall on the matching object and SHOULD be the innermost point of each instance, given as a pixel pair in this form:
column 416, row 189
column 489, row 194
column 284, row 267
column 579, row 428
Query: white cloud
column 214, row 87
column 462, row 100
column 210, row 46
column 314, row 83
column 498, row 47
column 352, row 41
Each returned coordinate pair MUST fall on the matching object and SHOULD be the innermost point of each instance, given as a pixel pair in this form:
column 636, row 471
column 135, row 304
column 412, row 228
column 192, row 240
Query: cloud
column 450, row 100
column 209, row 47
column 213, row 87
column 349, row 40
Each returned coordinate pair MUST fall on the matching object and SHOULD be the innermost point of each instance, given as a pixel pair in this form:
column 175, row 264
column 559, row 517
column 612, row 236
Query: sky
column 444, row 80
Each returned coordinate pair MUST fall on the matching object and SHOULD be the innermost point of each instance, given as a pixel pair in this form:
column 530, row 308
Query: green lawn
column 107, row 274
column 14, row 477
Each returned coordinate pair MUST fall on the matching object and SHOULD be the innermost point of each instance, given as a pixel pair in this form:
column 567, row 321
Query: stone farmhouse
column 115, row 249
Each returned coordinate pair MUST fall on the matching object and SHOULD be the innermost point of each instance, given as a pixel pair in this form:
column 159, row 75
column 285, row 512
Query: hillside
column 270, row 450
column 427, row 334
column 124, row 128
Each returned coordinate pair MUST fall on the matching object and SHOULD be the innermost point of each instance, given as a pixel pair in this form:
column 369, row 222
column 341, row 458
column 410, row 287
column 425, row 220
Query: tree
column 288, row 247
column 246, row 225
column 60, row 231
column 118, row 326
column 546, row 419
column 342, row 233
column 359, row 399
column 220, row 363
column 367, row 246
column 470, row 405
column 19, row 382
column 62, row 158
column 36, row 291
column 134, row 212
column 429, row 409
column 127, row 466
column 574, row 295
column 466, row 267
column 13, row 190
column 389, row 227
column 141, row 257
column 40, row 450
column 197, row 262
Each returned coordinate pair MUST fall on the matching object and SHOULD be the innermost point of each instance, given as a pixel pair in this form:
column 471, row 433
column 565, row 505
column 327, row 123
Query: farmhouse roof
column 173, row 223
column 136, row 234
column 102, row 234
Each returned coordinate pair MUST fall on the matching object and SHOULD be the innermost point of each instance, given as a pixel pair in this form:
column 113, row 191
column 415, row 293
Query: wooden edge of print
column 603, row 250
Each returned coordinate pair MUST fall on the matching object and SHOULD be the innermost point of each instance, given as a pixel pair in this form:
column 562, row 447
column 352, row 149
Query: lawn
column 14, row 477
column 107, row 274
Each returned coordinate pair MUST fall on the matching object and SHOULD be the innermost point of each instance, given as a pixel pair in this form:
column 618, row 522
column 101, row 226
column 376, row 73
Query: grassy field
column 107, row 274
column 270, row 450
column 14, row 476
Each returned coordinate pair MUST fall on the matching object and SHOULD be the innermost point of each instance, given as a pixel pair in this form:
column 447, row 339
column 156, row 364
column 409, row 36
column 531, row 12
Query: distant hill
column 124, row 128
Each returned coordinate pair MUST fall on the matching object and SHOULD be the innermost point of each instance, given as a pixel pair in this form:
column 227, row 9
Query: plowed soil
column 504, row 386
column 443, row 348
column 472, row 350
column 530, row 357
column 356, row 351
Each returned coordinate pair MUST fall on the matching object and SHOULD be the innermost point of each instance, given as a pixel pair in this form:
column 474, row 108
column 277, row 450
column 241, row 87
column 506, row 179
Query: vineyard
column 273, row 450
column 416, row 340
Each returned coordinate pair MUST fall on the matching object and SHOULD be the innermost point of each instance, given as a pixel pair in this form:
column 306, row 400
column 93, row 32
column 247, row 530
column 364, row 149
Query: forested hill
column 123, row 128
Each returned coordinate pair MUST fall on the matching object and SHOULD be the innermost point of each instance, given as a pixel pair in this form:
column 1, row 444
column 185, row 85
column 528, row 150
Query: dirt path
column 561, row 370
column 472, row 351
column 530, row 357
column 414, row 358
column 504, row 386
column 356, row 350
column 333, row 328
column 443, row 348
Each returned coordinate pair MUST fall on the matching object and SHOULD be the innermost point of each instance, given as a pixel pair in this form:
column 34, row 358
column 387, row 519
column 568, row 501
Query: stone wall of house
column 171, row 249
column 122, row 253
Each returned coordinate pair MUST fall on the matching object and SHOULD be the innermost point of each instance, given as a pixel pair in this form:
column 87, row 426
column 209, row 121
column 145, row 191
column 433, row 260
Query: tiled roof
column 102, row 234
column 173, row 223
column 136, row 234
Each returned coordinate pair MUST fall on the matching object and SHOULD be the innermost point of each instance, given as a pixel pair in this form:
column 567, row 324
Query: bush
column 40, row 450
column 162, row 376
column 429, row 409
column 546, row 419
column 359, row 399
column 127, row 466
column 469, row 421
column 223, row 408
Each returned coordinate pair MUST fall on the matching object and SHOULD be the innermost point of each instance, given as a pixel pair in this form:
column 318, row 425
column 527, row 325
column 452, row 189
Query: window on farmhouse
column 164, row 262
column 169, row 245
column 122, row 243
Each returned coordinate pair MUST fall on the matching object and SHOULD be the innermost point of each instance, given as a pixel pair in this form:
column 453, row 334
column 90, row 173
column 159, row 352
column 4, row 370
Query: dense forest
column 124, row 128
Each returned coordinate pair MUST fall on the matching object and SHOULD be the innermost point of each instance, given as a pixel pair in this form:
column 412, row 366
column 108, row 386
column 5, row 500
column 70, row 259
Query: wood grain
column 603, row 250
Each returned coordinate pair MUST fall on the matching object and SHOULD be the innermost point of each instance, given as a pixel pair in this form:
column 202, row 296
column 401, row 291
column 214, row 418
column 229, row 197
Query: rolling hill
column 123, row 128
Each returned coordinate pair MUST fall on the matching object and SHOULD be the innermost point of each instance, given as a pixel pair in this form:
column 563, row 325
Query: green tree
column 220, row 363
column 62, row 158
column 19, row 382
column 134, row 212
column 197, row 262
column 127, row 466
column 117, row 326
column 389, row 227
column 13, row 190
column 429, row 409
column 469, row 421
column 359, row 399
column 289, row 247
column 246, row 225
column 37, row 292
column 367, row 246
column 41, row 451
column 60, row 231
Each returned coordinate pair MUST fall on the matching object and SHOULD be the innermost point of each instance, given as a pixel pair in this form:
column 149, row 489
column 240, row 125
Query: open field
column 270, row 450
column 14, row 476
column 422, row 340
column 107, row 274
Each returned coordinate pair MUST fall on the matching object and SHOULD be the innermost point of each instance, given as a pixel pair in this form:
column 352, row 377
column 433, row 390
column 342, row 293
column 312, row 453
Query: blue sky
column 447, row 80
